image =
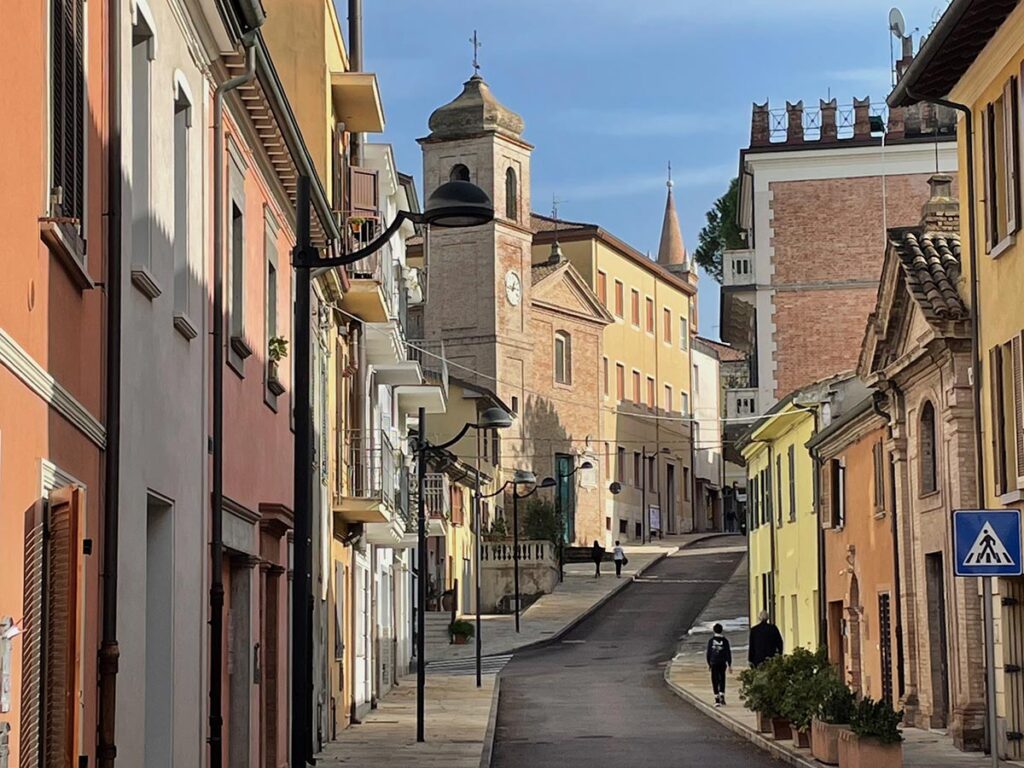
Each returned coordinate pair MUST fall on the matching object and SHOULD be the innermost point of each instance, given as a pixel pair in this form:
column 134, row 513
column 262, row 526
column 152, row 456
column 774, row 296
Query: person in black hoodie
column 719, row 657
column 765, row 640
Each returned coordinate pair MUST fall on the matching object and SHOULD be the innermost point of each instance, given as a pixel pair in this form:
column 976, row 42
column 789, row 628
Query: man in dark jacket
column 719, row 658
column 765, row 640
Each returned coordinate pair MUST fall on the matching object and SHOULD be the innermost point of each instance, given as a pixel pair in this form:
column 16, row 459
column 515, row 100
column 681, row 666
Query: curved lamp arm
column 299, row 260
column 448, row 443
column 500, row 490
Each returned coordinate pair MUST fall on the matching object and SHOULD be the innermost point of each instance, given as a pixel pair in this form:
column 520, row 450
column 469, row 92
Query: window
column 270, row 303
column 459, row 172
column 686, row 483
column 696, row 379
column 650, row 392
column 618, row 298
column 752, row 505
column 237, row 272
column 684, row 403
column 620, row 464
column 607, row 461
column 668, row 398
column 182, row 276
column 622, row 526
column 604, row 376
column 778, row 486
column 1006, row 381
column 515, row 404
column 650, row 314
column 634, row 307
column 637, row 469
column 1000, row 147
column 602, row 288
column 837, row 493
column 67, row 111
column 563, row 358
column 511, row 195
column 651, row 479
column 878, row 462
column 142, row 57
column 684, row 333
column 792, row 483
column 620, row 382
column 495, row 447
column 636, row 387
column 926, row 449
column 666, row 316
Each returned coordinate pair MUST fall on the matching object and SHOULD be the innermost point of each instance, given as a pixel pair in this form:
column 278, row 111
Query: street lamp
column 454, row 204
column 563, row 528
column 645, row 526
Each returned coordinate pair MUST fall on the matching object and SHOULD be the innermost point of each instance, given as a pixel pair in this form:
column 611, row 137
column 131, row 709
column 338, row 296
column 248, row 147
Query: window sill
column 1002, row 246
column 184, row 326
column 928, row 494
column 275, row 387
column 143, row 279
column 64, row 242
column 1011, row 497
column 241, row 347
column 880, row 515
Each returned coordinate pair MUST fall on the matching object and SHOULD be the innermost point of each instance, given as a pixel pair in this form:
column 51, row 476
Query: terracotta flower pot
column 825, row 741
column 802, row 739
column 857, row 752
column 764, row 723
column 459, row 639
column 781, row 729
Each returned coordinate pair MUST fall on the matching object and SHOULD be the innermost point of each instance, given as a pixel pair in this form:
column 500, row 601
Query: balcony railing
column 431, row 357
column 368, row 469
column 738, row 268
column 378, row 267
column 741, row 403
column 438, row 497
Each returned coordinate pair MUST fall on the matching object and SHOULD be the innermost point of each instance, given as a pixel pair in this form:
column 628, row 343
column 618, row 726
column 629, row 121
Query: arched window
column 511, row 195
column 459, row 173
column 563, row 358
column 926, row 449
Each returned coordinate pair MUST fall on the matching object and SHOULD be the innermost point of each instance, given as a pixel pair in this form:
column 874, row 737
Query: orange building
column 861, row 590
column 53, row 152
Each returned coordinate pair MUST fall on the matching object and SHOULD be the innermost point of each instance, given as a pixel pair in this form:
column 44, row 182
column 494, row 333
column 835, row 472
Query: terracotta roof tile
column 931, row 262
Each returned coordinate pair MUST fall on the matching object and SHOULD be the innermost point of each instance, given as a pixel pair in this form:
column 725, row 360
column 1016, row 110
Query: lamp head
column 457, row 204
column 548, row 482
column 666, row 451
column 615, row 488
column 524, row 477
column 494, row 418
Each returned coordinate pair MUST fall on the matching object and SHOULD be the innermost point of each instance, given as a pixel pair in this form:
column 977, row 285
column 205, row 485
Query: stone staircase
column 436, row 637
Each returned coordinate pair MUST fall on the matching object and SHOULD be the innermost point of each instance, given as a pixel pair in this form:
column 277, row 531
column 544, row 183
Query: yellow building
column 973, row 59
column 645, row 371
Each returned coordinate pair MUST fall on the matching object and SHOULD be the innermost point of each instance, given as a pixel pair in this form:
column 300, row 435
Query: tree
column 721, row 233
column 539, row 521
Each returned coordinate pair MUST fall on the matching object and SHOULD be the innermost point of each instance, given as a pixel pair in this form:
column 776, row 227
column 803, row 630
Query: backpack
column 716, row 650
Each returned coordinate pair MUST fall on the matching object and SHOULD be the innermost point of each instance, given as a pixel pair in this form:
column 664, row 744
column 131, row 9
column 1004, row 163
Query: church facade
column 519, row 308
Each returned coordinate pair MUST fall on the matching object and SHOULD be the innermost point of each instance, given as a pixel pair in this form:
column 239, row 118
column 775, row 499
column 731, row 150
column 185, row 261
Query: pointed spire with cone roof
column 671, row 251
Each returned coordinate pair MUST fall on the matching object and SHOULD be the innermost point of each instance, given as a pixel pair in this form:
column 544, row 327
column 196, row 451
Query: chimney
column 760, row 136
column 896, row 129
column 829, row 131
column 862, row 118
column 941, row 213
column 795, row 122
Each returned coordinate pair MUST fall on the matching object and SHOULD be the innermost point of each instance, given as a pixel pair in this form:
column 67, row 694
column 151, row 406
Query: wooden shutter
column 1011, row 141
column 824, row 493
column 988, row 164
column 364, row 190
column 996, row 394
column 67, row 104
column 32, row 637
column 1018, row 406
column 879, row 473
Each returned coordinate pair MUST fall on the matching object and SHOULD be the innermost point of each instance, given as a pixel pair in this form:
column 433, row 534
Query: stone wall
column 538, row 572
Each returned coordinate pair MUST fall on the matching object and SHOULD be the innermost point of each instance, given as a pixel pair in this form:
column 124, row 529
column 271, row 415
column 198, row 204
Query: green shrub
column 762, row 688
column 461, row 628
column 837, row 701
column 804, row 680
column 540, row 522
column 876, row 720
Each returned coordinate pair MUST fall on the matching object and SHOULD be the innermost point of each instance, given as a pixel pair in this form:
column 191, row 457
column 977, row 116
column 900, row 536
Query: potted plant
column 874, row 739
column 356, row 223
column 804, row 674
column 460, row 631
column 761, row 689
column 277, row 350
column 835, row 710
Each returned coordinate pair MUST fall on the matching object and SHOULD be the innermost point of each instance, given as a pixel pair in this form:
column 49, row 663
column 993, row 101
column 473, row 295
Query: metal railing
column 381, row 268
column 811, row 120
column 431, row 357
column 437, row 497
column 368, row 469
column 739, row 268
column 496, row 553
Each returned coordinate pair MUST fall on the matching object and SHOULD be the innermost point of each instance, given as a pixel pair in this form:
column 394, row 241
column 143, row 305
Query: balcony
column 373, row 291
column 741, row 404
column 432, row 361
column 401, row 531
column 366, row 478
column 740, row 279
column 739, row 268
column 437, row 503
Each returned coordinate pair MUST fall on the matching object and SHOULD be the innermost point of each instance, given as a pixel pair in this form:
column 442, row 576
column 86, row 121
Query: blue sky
column 611, row 91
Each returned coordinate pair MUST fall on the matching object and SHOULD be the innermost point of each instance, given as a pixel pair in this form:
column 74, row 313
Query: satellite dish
column 897, row 24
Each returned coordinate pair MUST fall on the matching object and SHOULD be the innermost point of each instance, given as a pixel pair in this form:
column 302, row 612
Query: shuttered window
column 1018, row 406
column 1000, row 150
column 602, row 288
column 792, row 483
column 927, row 446
column 649, row 304
column 878, row 460
column 67, row 108
column 634, row 308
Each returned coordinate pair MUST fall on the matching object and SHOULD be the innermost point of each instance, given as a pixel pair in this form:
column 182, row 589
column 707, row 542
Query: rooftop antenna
column 898, row 30
column 477, row 45
column 556, row 249
column 669, row 182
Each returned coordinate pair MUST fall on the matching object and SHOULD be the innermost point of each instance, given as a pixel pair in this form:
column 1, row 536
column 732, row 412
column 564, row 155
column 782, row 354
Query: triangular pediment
column 562, row 289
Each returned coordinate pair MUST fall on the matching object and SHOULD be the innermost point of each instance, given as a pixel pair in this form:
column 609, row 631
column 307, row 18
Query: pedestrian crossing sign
column 987, row 542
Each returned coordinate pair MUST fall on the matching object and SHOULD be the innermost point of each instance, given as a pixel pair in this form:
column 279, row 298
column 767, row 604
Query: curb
column 492, row 720
column 757, row 739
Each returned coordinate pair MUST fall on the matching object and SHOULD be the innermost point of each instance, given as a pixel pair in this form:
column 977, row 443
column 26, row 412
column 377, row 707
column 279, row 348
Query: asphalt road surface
column 598, row 698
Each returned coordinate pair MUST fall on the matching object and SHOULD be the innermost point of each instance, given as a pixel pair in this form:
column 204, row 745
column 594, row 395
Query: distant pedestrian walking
column 730, row 520
column 619, row 556
column 597, row 555
column 719, row 657
column 765, row 640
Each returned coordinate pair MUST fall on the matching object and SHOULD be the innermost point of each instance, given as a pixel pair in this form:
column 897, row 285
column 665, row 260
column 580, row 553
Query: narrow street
column 598, row 698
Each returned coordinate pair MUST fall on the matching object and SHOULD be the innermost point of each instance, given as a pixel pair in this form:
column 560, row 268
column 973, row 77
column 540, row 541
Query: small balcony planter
column 277, row 350
column 273, row 380
column 801, row 738
column 782, row 729
column 764, row 723
column 461, row 631
column 825, row 741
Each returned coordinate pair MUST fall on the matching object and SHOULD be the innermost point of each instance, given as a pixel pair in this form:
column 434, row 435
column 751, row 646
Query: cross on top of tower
column 476, row 52
column 669, row 182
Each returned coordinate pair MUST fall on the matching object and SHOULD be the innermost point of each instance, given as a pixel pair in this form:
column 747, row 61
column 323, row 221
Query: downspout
column 216, row 721
column 897, row 586
column 106, row 748
column 355, row 64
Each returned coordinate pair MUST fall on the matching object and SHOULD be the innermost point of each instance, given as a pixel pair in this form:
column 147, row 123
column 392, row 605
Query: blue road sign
column 987, row 542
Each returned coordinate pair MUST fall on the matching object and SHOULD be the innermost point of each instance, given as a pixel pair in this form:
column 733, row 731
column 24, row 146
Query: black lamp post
column 454, row 204
column 645, row 528
column 563, row 528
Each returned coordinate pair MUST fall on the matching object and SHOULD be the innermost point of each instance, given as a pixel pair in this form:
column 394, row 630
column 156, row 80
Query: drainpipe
column 897, row 588
column 106, row 748
column 355, row 64
column 216, row 721
column 978, row 380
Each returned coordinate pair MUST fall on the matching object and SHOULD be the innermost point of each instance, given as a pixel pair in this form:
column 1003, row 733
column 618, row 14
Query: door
column 239, row 663
column 885, row 644
column 670, row 497
column 566, row 495
column 836, row 646
column 467, row 585
column 362, row 655
column 938, row 642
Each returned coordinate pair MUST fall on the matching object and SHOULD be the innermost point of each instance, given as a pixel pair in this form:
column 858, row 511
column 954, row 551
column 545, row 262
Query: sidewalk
column 460, row 716
column 687, row 675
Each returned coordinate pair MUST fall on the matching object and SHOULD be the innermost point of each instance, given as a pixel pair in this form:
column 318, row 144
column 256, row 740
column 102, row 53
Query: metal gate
column 1013, row 659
